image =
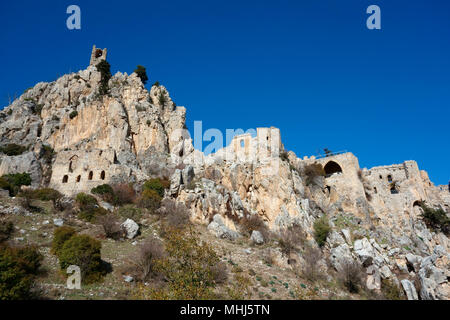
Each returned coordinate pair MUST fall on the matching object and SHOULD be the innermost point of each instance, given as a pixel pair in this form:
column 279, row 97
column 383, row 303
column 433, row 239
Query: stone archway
column 331, row 168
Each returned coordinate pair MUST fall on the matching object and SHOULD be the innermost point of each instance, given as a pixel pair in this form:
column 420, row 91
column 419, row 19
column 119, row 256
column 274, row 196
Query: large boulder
column 220, row 230
column 130, row 228
column 257, row 237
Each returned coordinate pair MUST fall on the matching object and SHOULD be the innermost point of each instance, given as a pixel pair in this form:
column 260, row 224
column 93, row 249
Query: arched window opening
column 78, row 178
column 389, row 177
column 381, row 177
column 375, row 190
column 242, row 143
column 65, row 179
column 331, row 168
column 70, row 166
column 91, row 174
column 102, row 175
column 394, row 189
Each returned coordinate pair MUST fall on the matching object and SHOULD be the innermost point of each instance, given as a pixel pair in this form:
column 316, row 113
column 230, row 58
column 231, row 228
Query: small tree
column 141, row 73
column 105, row 69
column 435, row 218
column 291, row 238
column 350, row 274
column 321, row 230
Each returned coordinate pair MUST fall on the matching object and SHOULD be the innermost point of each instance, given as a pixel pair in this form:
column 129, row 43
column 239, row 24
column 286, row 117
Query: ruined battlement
column 97, row 55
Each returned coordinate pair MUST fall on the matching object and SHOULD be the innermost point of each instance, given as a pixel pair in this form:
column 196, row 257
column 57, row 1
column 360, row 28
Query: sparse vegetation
column 13, row 149
column 105, row 69
column 141, row 73
column 13, row 182
column 436, row 219
column 321, row 230
column 187, row 281
column 73, row 114
column 311, row 172
column 106, row 192
column 312, row 257
column 351, row 276
column 391, row 291
column 291, row 239
column 89, row 209
column 156, row 184
column 255, row 223
column 47, row 153
column 124, row 194
column 111, row 226
column 149, row 199
column 144, row 263
column 6, row 230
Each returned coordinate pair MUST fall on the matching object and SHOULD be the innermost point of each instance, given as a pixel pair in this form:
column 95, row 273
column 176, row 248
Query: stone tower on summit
column 97, row 55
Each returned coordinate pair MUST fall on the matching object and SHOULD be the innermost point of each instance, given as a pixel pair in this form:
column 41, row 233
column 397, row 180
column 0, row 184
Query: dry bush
column 124, row 193
column 220, row 272
column 311, row 171
column 310, row 270
column 268, row 257
column 351, row 276
column 6, row 230
column 149, row 199
column 142, row 263
column 255, row 223
column 174, row 214
column 111, row 226
column 213, row 174
column 291, row 238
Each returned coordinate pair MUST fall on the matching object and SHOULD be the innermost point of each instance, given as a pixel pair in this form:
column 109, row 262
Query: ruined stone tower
column 97, row 55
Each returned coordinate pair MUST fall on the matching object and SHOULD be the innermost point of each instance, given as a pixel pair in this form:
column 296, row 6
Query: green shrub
column 91, row 214
column 105, row 69
column 18, row 266
column 156, row 184
column 73, row 114
column 83, row 251
column 156, row 84
column 149, row 199
column 43, row 194
column 60, row 236
column 321, row 230
column 141, row 73
column 435, row 218
column 6, row 230
column 162, row 99
column 13, row 149
column 47, row 153
column 13, row 182
column 85, row 201
column 189, row 267
column 106, row 192
column 390, row 290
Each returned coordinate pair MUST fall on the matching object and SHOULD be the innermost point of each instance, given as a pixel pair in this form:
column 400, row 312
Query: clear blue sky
column 311, row 68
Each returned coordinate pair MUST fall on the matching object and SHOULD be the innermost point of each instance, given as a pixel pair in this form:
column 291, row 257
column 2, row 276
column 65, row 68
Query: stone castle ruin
column 97, row 55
